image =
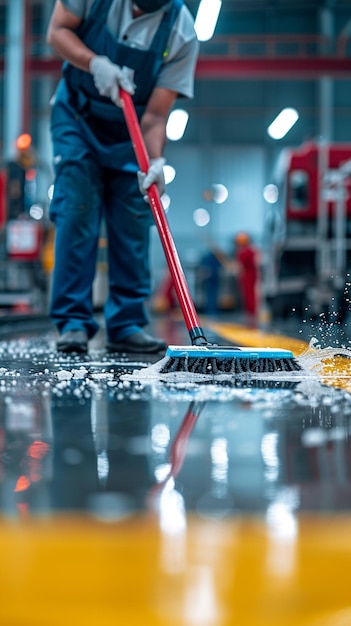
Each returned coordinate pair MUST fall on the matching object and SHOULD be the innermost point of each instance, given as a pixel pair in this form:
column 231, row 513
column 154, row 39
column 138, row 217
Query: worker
column 246, row 268
column 210, row 267
column 149, row 48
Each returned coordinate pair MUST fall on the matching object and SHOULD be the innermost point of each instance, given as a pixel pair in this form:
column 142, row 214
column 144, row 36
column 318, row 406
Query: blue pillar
column 14, row 75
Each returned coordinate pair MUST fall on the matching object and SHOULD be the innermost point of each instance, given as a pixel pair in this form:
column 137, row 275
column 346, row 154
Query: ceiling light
column 166, row 202
column 206, row 18
column 51, row 192
column 201, row 217
column 219, row 193
column 36, row 211
column 176, row 124
column 283, row 123
column 271, row 194
column 169, row 173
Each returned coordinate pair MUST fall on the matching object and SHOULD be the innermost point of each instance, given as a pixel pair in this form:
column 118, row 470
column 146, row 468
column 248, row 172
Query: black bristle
column 234, row 366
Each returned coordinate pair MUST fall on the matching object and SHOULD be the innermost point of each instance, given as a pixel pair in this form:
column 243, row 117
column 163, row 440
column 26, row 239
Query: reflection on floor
column 156, row 503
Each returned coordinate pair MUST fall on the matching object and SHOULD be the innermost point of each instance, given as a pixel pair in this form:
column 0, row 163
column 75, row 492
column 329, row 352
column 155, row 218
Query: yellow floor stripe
column 256, row 338
column 78, row 571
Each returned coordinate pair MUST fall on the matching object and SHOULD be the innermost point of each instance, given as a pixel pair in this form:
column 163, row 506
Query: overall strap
column 100, row 9
column 98, row 14
column 160, row 40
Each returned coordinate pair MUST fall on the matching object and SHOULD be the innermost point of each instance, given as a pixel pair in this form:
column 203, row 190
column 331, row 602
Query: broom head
column 211, row 359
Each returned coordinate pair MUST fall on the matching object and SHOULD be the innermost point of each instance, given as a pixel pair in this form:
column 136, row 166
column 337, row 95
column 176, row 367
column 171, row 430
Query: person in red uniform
column 246, row 262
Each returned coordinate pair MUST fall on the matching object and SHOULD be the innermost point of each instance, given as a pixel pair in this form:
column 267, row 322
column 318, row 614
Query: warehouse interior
column 263, row 57
column 188, row 499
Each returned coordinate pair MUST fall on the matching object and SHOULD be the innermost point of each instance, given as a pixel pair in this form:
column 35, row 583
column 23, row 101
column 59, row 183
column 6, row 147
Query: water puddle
column 35, row 366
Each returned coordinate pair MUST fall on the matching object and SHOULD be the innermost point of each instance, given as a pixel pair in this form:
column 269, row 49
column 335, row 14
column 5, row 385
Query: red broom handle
column 175, row 268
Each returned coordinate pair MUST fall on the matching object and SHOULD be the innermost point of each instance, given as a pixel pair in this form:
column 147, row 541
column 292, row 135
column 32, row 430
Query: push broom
column 202, row 356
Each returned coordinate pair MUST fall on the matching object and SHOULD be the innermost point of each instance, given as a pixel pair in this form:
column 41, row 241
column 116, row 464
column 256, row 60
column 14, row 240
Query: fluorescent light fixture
column 206, row 18
column 283, row 123
column 176, row 124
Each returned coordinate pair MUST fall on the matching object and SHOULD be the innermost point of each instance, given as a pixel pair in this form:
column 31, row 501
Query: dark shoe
column 73, row 341
column 137, row 342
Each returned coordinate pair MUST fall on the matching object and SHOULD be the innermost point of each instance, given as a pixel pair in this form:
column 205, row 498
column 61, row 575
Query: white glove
column 154, row 174
column 108, row 77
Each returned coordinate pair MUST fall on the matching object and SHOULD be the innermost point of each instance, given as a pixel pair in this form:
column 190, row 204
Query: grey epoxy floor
column 77, row 434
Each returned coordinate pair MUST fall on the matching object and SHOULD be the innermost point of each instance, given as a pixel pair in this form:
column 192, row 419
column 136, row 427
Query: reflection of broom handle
column 178, row 448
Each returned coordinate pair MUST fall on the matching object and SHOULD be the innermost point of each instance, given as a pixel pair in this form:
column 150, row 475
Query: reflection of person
column 246, row 264
column 149, row 48
column 87, row 463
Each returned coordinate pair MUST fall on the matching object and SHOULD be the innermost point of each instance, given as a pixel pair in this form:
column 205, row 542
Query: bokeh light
column 271, row 193
column 219, row 193
column 169, row 173
column 201, row 217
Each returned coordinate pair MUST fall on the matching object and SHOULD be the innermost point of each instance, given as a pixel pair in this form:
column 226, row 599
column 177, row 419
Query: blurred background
column 231, row 170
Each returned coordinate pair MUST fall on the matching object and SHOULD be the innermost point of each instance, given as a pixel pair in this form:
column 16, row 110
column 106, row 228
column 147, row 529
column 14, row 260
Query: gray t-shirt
column 177, row 72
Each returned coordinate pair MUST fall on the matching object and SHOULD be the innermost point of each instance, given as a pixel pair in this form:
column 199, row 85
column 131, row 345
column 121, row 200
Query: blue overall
column 95, row 169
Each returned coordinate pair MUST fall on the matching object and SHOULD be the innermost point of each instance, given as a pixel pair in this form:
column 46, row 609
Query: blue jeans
column 88, row 188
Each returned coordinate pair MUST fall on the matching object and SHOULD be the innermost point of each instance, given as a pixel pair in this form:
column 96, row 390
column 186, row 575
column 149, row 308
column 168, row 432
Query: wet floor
column 169, row 501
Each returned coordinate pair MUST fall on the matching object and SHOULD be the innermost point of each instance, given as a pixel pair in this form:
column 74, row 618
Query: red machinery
column 21, row 242
column 309, row 168
column 24, row 239
column 309, row 248
column 3, row 194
